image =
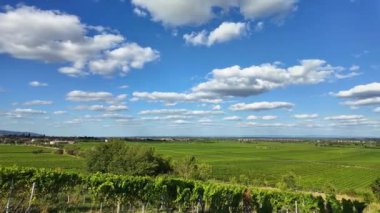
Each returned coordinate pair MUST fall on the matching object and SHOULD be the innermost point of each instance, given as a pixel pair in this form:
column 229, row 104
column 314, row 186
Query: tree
column 288, row 182
column 375, row 186
column 120, row 158
column 190, row 168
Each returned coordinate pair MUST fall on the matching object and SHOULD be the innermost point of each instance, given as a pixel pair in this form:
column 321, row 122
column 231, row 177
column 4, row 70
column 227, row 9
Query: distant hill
column 14, row 133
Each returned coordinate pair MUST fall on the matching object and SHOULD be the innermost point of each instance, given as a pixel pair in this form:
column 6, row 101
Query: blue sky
column 200, row 68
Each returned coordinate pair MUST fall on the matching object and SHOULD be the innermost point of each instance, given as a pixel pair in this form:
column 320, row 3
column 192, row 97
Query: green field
column 346, row 168
column 18, row 155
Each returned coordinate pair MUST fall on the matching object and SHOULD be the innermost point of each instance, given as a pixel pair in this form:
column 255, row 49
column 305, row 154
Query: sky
column 190, row 68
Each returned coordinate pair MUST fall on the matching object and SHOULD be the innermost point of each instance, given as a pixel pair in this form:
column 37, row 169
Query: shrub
column 119, row 158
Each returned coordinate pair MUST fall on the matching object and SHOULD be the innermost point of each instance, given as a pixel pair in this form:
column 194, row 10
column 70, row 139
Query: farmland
column 348, row 169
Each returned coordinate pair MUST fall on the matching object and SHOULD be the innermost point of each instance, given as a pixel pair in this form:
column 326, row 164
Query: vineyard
column 35, row 190
column 262, row 163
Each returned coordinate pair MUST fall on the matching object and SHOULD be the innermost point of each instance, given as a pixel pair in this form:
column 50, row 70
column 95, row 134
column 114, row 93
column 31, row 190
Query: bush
column 38, row 151
column 58, row 151
column 190, row 168
column 72, row 150
column 375, row 186
column 288, row 182
column 119, row 158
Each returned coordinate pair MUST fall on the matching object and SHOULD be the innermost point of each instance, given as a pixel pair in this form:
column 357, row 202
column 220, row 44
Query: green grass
column 348, row 169
column 19, row 155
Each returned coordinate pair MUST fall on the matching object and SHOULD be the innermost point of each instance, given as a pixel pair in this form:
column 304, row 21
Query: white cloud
column 123, row 58
column 259, row 26
column 354, row 68
column 116, row 116
column 377, row 109
column 180, row 112
column 205, row 121
column 261, row 106
column 37, row 84
column 29, row 111
column 243, row 82
column 217, row 107
column 20, row 113
column 124, row 87
column 361, row 91
column 255, row 9
column 350, row 120
column 225, row 32
column 347, row 75
column 196, row 12
column 344, row 117
column 363, row 102
column 252, row 117
column 306, row 116
column 181, row 122
column 83, row 96
column 52, row 36
column 361, row 95
column 232, row 118
column 173, row 97
column 139, row 12
column 37, row 102
column 74, row 121
column 276, row 125
column 269, row 117
column 167, row 117
column 60, row 112
column 110, row 108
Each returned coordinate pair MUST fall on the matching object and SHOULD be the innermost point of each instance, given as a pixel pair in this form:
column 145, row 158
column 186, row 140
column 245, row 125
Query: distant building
column 56, row 142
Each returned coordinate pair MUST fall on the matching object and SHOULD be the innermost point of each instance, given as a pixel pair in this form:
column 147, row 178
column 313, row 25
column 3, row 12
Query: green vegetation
column 190, row 168
column 52, row 191
column 30, row 156
column 375, row 186
column 120, row 158
column 345, row 169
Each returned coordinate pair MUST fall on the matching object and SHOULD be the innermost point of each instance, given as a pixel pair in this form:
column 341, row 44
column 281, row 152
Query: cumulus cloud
column 261, row 106
column 174, row 97
column 252, row 117
column 306, row 116
column 225, row 32
column 110, row 108
column 269, row 117
column 29, row 111
column 37, row 84
column 123, row 58
column 344, row 117
column 196, row 12
column 350, row 120
column 53, row 36
column 84, row 96
column 139, row 12
column 361, row 95
column 217, row 107
column 21, row 113
column 243, row 82
column 232, row 118
column 60, row 112
column 37, row 102
column 180, row 112
column 266, row 117
column 276, row 125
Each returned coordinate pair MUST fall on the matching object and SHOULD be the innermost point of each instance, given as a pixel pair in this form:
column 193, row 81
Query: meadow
column 349, row 169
